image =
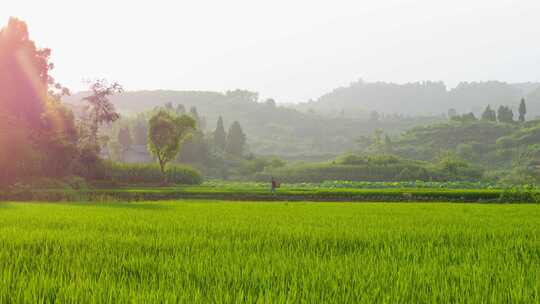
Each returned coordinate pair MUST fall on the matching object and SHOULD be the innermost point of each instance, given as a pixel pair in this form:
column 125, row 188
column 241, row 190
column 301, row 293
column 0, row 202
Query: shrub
column 373, row 168
column 148, row 174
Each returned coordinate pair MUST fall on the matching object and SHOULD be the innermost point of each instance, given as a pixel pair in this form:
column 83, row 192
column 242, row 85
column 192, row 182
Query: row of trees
column 233, row 142
column 133, row 140
column 504, row 114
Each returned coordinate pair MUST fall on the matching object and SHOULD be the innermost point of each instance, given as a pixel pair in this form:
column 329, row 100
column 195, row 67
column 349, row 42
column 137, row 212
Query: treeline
column 504, row 114
column 360, row 98
column 359, row 167
column 507, row 149
column 222, row 153
column 272, row 129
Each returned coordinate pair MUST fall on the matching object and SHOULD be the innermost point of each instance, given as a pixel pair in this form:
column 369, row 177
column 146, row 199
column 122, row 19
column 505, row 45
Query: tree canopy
column 236, row 140
column 166, row 131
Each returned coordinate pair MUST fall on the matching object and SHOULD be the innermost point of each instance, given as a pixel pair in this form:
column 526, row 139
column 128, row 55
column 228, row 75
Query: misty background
column 292, row 51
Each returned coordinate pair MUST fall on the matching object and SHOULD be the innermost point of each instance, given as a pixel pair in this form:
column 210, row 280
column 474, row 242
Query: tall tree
column 165, row 134
column 522, row 110
column 236, row 140
column 24, row 74
column 37, row 133
column 505, row 114
column 489, row 114
column 220, row 137
column 201, row 122
column 101, row 109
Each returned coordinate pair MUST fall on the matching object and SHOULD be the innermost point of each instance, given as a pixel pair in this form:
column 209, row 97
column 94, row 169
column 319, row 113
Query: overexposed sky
column 291, row 50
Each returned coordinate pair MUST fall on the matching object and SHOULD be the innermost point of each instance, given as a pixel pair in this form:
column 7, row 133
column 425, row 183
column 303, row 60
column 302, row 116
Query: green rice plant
column 216, row 251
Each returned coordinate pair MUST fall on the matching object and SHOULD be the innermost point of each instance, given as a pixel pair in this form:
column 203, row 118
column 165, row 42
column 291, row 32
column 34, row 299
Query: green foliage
column 520, row 195
column 476, row 142
column 246, row 252
column 522, row 110
column 38, row 136
column 165, row 134
column 128, row 174
column 255, row 165
column 236, row 140
column 194, row 149
column 505, row 114
column 277, row 130
column 374, row 168
column 100, row 109
column 489, row 114
column 469, row 117
column 220, row 137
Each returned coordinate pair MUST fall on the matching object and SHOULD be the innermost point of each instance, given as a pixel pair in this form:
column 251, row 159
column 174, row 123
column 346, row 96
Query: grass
column 252, row 191
column 213, row 251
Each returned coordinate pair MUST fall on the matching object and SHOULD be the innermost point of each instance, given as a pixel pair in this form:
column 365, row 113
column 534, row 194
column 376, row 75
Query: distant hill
column 332, row 124
column 271, row 129
column 422, row 98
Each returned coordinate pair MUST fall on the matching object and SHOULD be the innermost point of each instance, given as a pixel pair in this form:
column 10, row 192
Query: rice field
column 218, row 251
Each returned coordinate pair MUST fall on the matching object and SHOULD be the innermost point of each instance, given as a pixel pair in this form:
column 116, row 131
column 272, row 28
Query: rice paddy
column 218, row 251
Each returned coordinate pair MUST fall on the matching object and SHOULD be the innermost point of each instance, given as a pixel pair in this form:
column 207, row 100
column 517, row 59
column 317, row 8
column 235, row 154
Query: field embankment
column 330, row 191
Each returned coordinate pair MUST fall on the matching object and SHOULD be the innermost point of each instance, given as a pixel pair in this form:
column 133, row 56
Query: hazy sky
column 291, row 50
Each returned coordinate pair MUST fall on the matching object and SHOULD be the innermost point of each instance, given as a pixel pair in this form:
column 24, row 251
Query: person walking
column 274, row 185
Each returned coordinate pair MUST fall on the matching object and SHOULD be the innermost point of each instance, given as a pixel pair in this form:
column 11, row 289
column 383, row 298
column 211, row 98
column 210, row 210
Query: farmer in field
column 274, row 185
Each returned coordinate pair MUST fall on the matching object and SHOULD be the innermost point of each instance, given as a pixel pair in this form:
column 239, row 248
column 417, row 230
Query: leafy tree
column 449, row 162
column 200, row 121
column 57, row 140
column 165, row 134
column 220, row 137
column 18, row 159
column 194, row 149
column 522, row 110
column 236, row 140
column 101, row 110
column 124, row 139
column 505, row 114
column 388, row 145
column 37, row 134
column 489, row 114
column 24, row 74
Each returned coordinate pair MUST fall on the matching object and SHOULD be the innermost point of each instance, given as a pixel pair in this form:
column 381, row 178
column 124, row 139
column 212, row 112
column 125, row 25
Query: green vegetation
column 246, row 191
column 165, row 135
column 268, row 252
column 374, row 168
column 108, row 242
column 140, row 174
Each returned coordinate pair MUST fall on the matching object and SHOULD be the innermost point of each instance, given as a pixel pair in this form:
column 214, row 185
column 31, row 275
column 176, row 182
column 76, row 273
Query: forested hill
column 271, row 129
column 424, row 98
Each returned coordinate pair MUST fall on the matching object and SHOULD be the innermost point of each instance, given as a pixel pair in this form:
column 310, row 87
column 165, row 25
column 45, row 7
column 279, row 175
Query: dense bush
column 147, row 174
column 374, row 168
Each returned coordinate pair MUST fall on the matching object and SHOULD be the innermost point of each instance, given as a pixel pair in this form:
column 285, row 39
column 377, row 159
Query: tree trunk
column 162, row 168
